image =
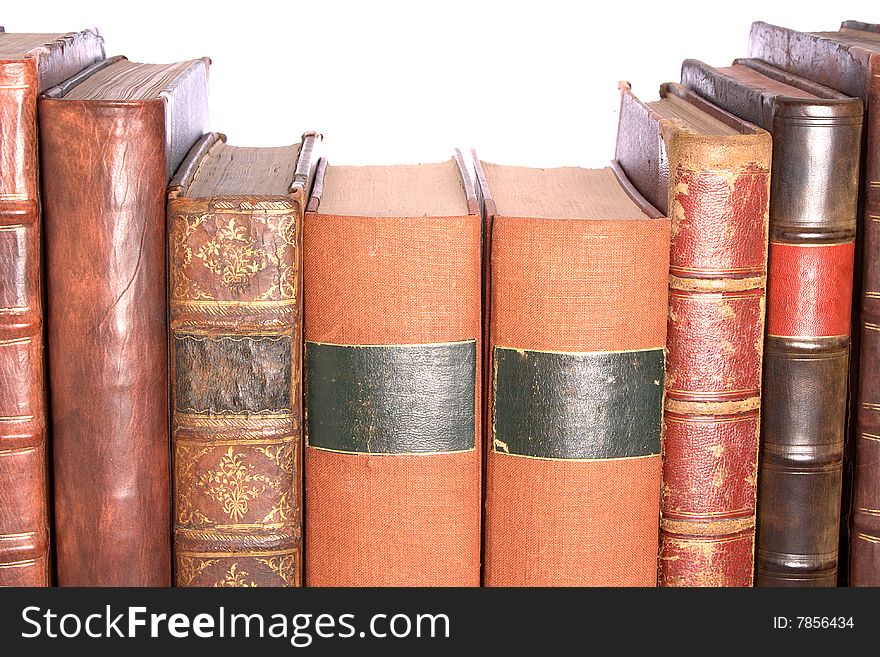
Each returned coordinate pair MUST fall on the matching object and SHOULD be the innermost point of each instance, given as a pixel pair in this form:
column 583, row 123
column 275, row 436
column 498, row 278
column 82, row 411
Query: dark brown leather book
column 29, row 64
column 849, row 61
column 111, row 138
column 577, row 266
column 392, row 391
column 813, row 207
column 235, row 274
column 711, row 172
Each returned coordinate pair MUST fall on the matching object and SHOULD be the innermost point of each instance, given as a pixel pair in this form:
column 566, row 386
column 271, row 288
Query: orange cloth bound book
column 392, row 391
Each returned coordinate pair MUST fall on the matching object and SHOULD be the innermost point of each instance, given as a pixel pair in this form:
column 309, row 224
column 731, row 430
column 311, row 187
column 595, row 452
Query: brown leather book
column 711, row 172
column 849, row 61
column 111, row 138
column 29, row 64
column 392, row 391
column 235, row 280
column 813, row 207
column 577, row 263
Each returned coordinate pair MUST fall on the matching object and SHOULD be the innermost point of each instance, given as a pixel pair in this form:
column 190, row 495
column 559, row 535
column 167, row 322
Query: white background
column 531, row 83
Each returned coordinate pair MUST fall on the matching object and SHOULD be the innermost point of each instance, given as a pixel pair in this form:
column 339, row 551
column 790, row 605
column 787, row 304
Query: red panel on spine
column 809, row 289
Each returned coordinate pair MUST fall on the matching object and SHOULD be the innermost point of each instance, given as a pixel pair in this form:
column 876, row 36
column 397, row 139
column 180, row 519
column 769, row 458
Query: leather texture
column 24, row 486
column 105, row 165
column 550, row 404
column 717, row 199
column 402, row 399
column 588, row 288
column 393, row 519
column 849, row 61
column 813, row 210
column 237, row 379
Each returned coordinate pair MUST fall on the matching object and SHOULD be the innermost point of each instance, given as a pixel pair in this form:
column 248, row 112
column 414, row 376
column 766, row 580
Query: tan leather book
column 392, row 355
column 575, row 302
column 111, row 137
column 235, row 275
column 29, row 64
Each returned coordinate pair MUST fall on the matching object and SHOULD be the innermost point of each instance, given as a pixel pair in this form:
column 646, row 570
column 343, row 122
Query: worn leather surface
column 24, row 504
column 813, row 210
column 576, row 405
column 718, row 198
column 393, row 519
column 395, row 399
column 571, row 521
column 237, row 385
column 854, row 70
column 801, row 457
column 105, row 166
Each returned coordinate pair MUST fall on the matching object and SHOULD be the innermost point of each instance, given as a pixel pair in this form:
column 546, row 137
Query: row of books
column 446, row 374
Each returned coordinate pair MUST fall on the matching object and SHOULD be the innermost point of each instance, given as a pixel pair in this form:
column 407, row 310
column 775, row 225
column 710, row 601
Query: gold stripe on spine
column 717, row 515
column 243, row 553
column 868, row 538
column 5, row 343
column 17, row 564
column 709, row 419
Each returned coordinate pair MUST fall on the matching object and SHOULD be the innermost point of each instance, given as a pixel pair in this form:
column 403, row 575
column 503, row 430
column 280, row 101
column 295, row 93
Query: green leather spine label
column 591, row 405
column 391, row 399
column 232, row 374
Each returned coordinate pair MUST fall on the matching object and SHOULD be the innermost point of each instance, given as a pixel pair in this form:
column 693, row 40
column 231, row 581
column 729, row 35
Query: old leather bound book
column 111, row 137
column 711, row 172
column 813, row 207
column 392, row 391
column 849, row 61
column 29, row 64
column 234, row 257
column 576, row 304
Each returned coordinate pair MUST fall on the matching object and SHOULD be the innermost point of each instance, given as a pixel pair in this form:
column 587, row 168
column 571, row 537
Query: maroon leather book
column 110, row 138
column 29, row 63
column 711, row 172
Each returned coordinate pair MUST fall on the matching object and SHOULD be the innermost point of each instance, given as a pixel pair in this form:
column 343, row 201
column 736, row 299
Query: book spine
column 392, row 400
column 24, row 517
column 559, row 502
column 236, row 332
column 718, row 204
column 813, row 209
column 865, row 535
column 104, row 166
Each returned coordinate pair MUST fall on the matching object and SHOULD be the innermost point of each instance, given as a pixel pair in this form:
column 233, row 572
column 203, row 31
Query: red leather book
column 849, row 61
column 29, row 64
column 111, row 138
column 391, row 266
column 576, row 285
column 711, row 172
column 813, row 208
